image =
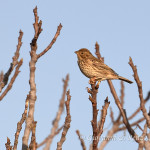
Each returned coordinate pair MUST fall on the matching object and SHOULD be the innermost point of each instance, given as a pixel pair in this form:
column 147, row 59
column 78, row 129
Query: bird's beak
column 76, row 52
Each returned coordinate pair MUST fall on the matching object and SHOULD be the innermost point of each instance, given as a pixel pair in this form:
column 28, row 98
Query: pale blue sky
column 122, row 28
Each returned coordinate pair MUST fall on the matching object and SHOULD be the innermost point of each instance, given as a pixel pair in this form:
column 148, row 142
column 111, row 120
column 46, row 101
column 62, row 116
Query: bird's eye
column 82, row 53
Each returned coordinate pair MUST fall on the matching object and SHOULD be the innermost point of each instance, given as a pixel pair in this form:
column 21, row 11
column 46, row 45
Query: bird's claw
column 98, row 83
column 92, row 80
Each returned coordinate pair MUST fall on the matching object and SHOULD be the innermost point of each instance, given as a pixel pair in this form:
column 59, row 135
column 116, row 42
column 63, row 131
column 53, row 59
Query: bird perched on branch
column 92, row 67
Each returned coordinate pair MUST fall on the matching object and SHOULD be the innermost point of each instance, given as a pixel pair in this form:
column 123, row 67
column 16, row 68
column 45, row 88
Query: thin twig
column 103, row 116
column 115, row 128
column 19, row 124
column 17, row 53
column 50, row 137
column 12, row 79
column 81, row 140
column 93, row 98
column 144, row 131
column 33, row 144
column 5, row 77
column 13, row 64
column 132, row 124
column 139, row 84
column 122, row 93
column 32, row 93
column 112, row 115
column 97, row 52
column 109, row 136
column 139, row 127
column 67, row 122
column 138, row 110
column 1, row 77
column 142, row 138
column 7, row 145
column 121, row 100
column 122, row 111
column 52, row 42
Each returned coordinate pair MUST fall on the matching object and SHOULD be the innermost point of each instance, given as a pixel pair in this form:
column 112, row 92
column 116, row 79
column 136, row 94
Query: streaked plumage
column 91, row 67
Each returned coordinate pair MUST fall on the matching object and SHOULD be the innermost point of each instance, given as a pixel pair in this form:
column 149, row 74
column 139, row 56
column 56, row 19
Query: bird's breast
column 86, row 69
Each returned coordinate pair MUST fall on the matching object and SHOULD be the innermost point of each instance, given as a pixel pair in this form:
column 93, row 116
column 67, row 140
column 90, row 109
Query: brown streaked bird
column 92, row 67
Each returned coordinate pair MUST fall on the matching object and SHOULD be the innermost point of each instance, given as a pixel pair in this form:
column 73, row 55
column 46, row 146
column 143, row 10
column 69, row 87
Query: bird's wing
column 101, row 66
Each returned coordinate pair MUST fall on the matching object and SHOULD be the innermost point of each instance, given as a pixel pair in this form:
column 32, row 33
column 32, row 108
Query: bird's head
column 83, row 53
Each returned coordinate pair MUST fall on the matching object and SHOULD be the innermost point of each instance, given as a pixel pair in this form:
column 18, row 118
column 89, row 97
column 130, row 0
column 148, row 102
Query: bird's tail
column 124, row 79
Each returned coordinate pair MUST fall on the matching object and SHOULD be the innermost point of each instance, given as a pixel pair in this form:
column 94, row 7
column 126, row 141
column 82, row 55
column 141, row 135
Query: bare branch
column 17, row 53
column 138, row 110
column 1, row 76
column 132, row 124
column 19, row 124
column 139, row 84
column 81, row 140
column 33, row 143
column 12, row 79
column 139, row 127
column 112, row 115
column 122, row 93
column 50, row 137
column 97, row 52
column 109, row 136
column 32, row 93
column 5, row 77
column 67, row 122
column 52, row 42
column 37, row 27
column 122, row 111
column 93, row 99
column 103, row 116
column 121, row 99
column 144, row 132
column 142, row 138
column 115, row 128
column 8, row 147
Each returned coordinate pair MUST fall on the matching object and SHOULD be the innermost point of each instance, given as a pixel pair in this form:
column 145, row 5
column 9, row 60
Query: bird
column 93, row 67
